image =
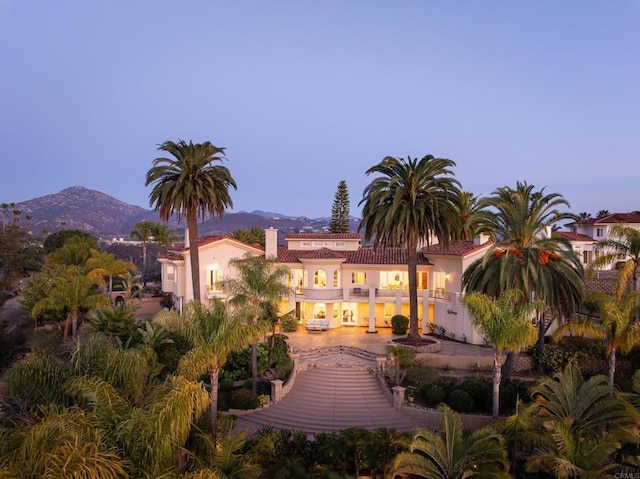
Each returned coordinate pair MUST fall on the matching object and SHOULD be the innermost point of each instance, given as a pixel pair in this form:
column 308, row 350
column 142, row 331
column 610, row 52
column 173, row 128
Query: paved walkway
column 452, row 354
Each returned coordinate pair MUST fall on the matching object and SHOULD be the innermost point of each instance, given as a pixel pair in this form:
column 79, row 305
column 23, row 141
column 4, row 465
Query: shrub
column 399, row 324
column 434, row 395
column 243, row 399
column 459, row 400
column 511, row 392
column 225, row 384
column 264, row 388
column 554, row 358
column 288, row 324
column 481, row 390
column 166, row 301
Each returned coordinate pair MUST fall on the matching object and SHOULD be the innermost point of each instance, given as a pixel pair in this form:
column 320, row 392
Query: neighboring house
column 585, row 234
column 334, row 277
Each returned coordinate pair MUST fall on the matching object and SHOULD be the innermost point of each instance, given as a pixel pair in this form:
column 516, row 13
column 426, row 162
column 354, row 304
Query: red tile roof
column 205, row 240
column 632, row 217
column 571, row 236
column 323, row 253
column 362, row 256
column 461, row 248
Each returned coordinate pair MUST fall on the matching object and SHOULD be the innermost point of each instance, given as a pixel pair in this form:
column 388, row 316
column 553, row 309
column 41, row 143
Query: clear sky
column 304, row 93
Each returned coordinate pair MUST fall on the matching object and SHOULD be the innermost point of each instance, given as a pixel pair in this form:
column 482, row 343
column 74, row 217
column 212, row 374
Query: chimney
column 480, row 239
column 186, row 237
column 271, row 242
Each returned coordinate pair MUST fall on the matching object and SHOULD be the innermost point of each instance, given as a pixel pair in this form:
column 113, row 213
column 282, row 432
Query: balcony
column 321, row 294
column 215, row 293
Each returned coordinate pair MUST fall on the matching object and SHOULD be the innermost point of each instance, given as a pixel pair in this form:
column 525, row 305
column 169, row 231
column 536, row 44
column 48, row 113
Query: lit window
column 358, row 277
column 336, row 279
column 320, row 279
column 389, row 310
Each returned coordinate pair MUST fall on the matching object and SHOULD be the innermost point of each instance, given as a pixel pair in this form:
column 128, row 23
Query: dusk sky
column 303, row 94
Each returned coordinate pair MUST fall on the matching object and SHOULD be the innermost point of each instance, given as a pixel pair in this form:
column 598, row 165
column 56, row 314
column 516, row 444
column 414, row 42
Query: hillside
column 105, row 216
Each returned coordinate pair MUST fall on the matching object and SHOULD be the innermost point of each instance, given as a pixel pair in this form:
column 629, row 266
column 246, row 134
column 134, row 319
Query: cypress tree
column 340, row 210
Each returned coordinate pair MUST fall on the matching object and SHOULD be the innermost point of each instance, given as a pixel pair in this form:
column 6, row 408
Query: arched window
column 320, row 279
column 336, row 279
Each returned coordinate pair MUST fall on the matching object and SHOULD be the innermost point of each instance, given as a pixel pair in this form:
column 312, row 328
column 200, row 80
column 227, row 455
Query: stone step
column 330, row 399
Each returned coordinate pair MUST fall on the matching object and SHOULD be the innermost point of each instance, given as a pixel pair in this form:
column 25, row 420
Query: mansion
column 335, row 278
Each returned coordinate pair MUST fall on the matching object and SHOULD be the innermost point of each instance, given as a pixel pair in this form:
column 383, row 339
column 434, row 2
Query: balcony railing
column 322, row 293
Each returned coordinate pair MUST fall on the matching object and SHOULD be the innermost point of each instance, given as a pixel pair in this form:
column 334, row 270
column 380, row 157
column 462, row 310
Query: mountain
column 105, row 216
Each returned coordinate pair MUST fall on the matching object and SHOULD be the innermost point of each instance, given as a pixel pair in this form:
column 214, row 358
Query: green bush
column 554, row 358
column 481, row 390
column 225, row 384
column 459, row 400
column 399, row 324
column 511, row 392
column 243, row 399
column 288, row 324
column 434, row 395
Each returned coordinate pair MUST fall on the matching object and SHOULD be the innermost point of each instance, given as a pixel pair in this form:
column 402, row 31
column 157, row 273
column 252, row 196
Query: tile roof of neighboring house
column 632, row 217
column 370, row 256
column 171, row 255
column 571, row 236
column 460, row 248
column 323, row 236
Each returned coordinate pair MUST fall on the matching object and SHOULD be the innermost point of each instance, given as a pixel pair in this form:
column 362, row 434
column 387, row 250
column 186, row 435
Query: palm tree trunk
column 213, row 407
column 254, row 367
column 192, row 224
column 612, row 365
column 144, row 264
column 412, row 266
column 74, row 323
column 67, row 326
column 497, row 376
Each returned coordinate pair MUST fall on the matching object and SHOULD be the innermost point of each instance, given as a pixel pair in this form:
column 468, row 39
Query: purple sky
column 305, row 93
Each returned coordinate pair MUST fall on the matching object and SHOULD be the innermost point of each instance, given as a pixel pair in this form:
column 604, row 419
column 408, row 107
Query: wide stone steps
column 330, row 399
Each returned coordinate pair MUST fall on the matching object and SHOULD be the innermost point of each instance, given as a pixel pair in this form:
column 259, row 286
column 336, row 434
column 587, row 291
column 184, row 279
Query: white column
column 372, row 311
column 425, row 311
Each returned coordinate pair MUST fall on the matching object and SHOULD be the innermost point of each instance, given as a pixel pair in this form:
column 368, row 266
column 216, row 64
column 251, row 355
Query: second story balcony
column 327, row 294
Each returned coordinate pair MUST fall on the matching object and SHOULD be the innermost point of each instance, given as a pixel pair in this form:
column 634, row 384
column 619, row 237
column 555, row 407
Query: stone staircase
column 336, row 391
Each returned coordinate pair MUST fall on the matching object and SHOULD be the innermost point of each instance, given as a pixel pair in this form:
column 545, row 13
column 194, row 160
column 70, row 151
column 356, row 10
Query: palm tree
column 602, row 213
column 190, row 185
column 579, row 423
column 213, row 333
column 254, row 236
column 505, row 324
column 615, row 326
column 260, row 284
column 472, row 215
column 163, row 235
column 143, row 231
column 74, row 295
column 411, row 201
column 451, row 455
column 582, row 217
column 623, row 245
column 526, row 256
column 103, row 264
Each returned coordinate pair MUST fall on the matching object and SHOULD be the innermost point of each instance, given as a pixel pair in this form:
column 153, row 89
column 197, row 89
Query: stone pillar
column 382, row 364
column 398, row 397
column 276, row 390
column 372, row 311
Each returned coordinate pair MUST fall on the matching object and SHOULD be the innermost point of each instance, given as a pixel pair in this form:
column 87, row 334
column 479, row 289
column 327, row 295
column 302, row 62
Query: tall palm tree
column 602, row 213
column 213, row 333
column 411, row 201
column 260, row 284
column 103, row 264
column 623, row 245
column 506, row 325
column 190, row 185
column 143, row 231
column 163, row 235
column 472, row 216
column 526, row 256
column 451, row 455
column 615, row 326
column 74, row 295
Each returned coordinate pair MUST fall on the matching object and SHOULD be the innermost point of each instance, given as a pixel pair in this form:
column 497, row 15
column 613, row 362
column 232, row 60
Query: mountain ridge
column 102, row 215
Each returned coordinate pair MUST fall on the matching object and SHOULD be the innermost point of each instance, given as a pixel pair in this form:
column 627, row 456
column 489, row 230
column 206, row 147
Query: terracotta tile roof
column 205, row 240
column 171, row 255
column 571, row 236
column 322, row 236
column 461, row 248
column 323, row 253
column 631, row 217
column 362, row 256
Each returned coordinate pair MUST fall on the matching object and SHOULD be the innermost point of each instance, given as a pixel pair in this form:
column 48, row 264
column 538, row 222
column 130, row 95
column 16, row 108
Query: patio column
column 425, row 311
column 372, row 311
